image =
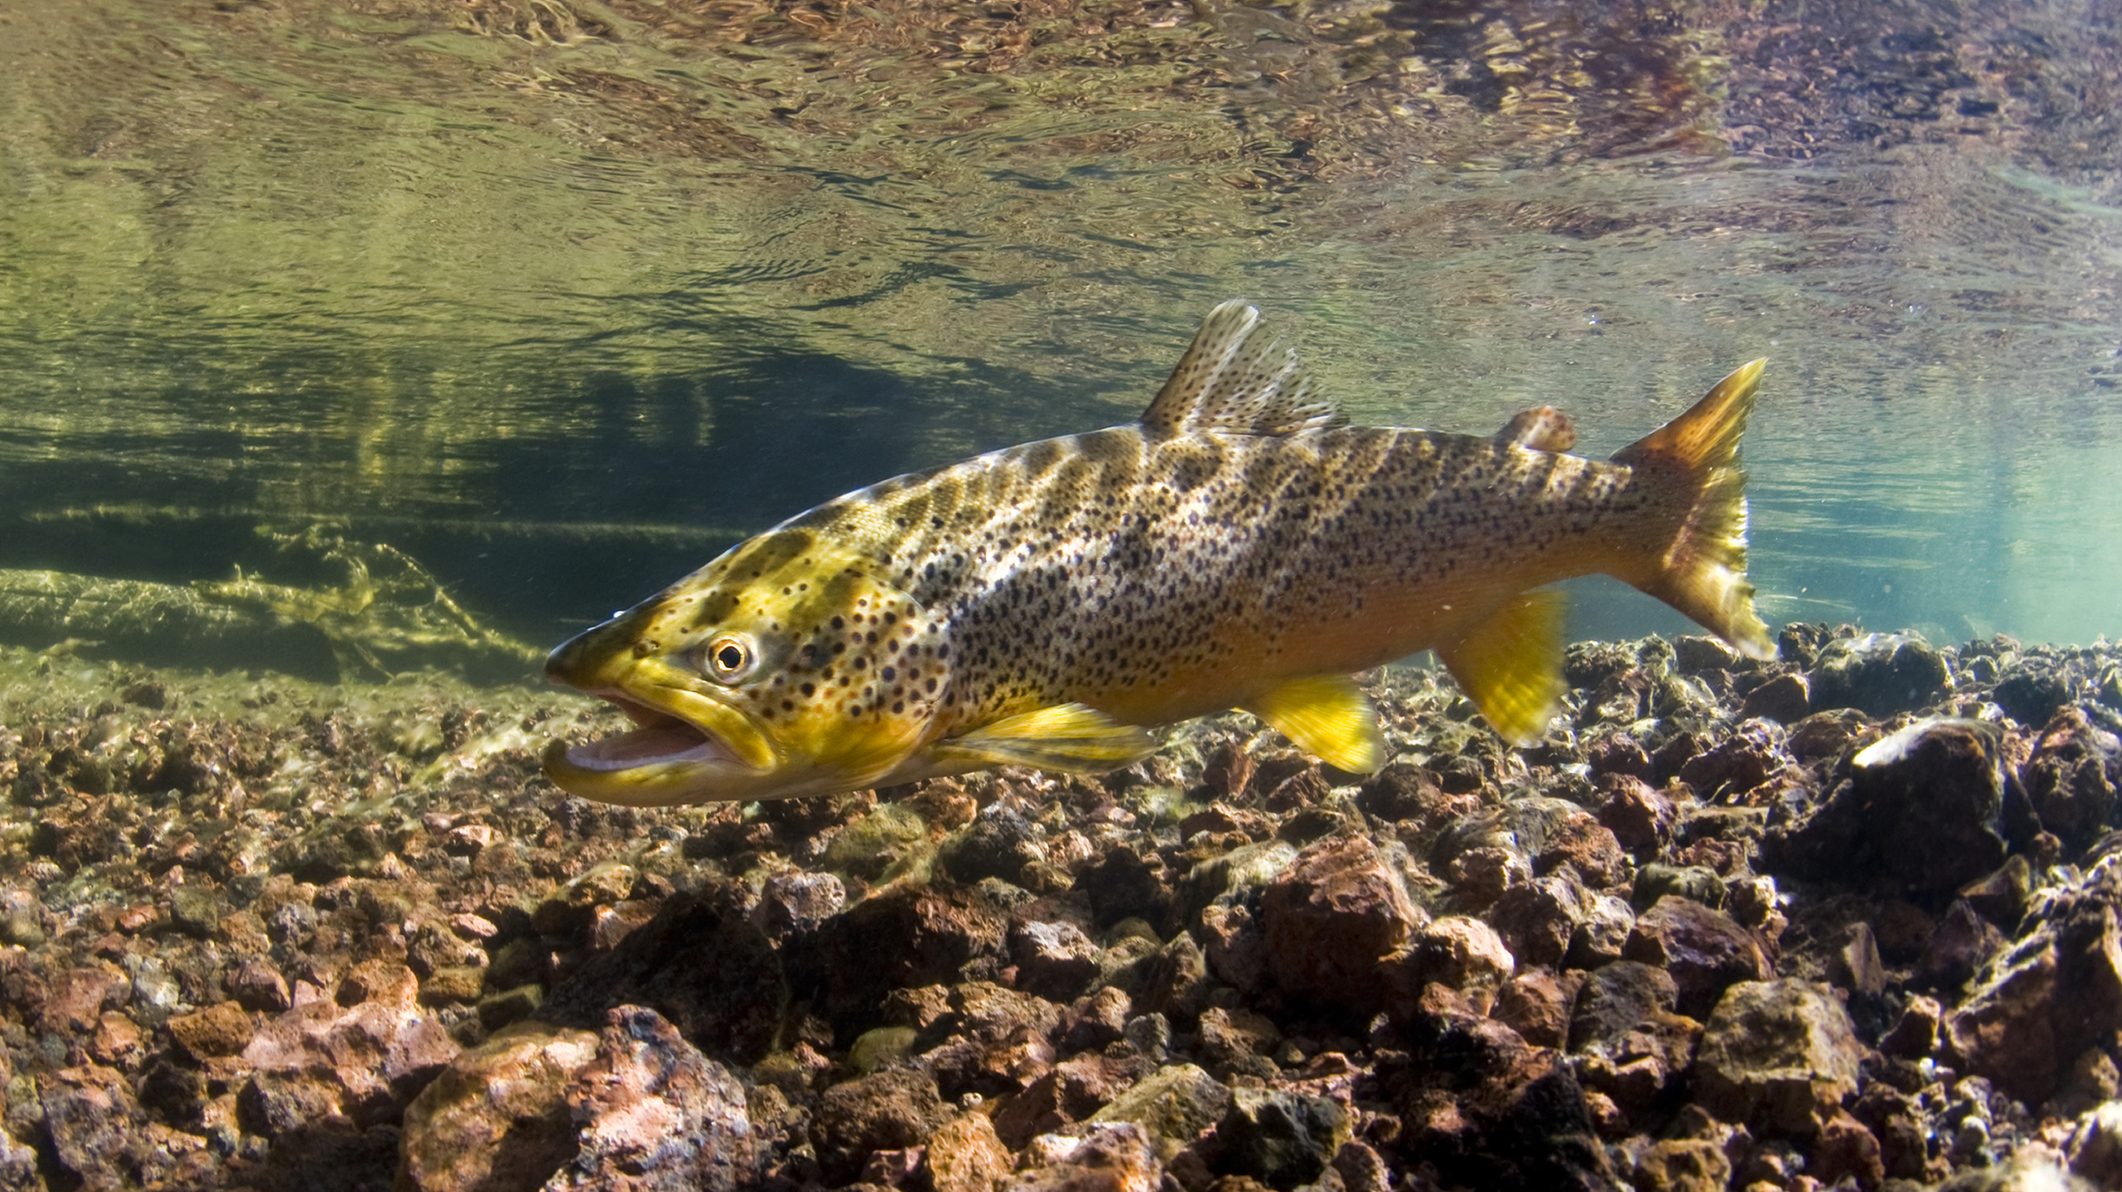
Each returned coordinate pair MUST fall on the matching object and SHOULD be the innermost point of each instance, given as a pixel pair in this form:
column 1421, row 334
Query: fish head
column 786, row 667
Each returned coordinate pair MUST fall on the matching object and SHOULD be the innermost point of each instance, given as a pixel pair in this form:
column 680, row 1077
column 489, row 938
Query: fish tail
column 1690, row 551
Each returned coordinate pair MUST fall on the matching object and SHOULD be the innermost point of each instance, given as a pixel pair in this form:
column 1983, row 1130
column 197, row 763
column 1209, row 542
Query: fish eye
column 728, row 656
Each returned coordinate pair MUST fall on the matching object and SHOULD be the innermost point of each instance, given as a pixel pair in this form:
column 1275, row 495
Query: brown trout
column 1240, row 546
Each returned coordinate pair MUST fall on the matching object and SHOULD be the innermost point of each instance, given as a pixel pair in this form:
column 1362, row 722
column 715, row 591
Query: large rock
column 1281, row 1137
column 2073, row 776
column 363, row 1062
column 1104, row 1157
column 2054, row 993
column 1461, row 952
column 1925, row 811
column 1174, row 1105
column 965, row 1155
column 898, row 1107
column 98, row 1130
column 1778, row 1055
column 496, row 1118
column 1617, row 997
column 1704, row 949
column 1331, row 917
column 652, row 1114
column 1879, row 674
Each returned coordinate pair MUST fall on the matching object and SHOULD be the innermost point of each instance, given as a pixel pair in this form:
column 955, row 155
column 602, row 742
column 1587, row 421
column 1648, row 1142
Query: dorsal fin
column 1238, row 377
column 1542, row 428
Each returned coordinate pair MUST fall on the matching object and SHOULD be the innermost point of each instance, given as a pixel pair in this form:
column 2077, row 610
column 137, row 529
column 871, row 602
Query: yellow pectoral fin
column 1327, row 716
column 1068, row 737
column 1510, row 665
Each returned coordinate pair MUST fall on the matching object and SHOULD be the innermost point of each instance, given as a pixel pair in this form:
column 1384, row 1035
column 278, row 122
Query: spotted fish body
column 1240, row 546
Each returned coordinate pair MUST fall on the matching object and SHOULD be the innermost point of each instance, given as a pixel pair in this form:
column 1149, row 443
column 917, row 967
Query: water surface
column 560, row 298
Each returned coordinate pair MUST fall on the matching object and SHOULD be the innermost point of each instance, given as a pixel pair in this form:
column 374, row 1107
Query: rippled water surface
column 557, row 298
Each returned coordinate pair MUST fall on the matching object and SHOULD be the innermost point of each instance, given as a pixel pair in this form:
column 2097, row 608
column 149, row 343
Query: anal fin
column 1510, row 664
column 1069, row 737
column 1327, row 716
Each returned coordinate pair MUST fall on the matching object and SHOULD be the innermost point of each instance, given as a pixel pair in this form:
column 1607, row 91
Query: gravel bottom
column 1849, row 919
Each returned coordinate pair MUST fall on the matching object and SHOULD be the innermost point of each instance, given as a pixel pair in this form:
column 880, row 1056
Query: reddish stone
column 1536, row 1004
column 1331, row 917
column 1704, row 950
column 1640, row 817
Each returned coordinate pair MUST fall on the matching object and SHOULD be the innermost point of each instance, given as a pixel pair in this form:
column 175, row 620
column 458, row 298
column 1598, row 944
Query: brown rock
column 98, row 1132
column 1331, row 917
column 965, row 1155
column 1846, row 1150
column 1460, row 952
column 1098, row 1019
column 1962, row 943
column 257, row 985
column 652, row 1114
column 702, row 964
column 2072, row 777
column 2002, row 896
column 1602, row 933
column 74, row 999
column 1614, row 999
column 220, row 1029
column 496, row 1117
column 1856, row 966
column 1638, row 1068
column 1173, row 1105
column 1915, row 1034
column 795, row 902
column 1683, row 1165
column 1105, row 1157
column 1536, row 1004
column 1778, row 1055
column 2055, row 993
column 362, row 1062
column 2096, row 1145
column 1239, row 1041
column 1584, row 845
column 1640, row 817
column 1405, row 792
column 1235, row 947
column 1054, row 959
column 1786, row 699
column 1704, row 950
column 1736, row 764
column 1924, row 810
column 897, row 1107
column 1826, row 736
column 1538, row 919
column 1070, row 1091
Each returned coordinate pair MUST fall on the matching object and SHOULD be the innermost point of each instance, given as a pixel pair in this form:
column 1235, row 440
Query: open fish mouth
column 660, row 739
column 685, row 747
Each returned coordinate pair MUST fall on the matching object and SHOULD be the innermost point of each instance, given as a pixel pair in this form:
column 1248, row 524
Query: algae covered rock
column 1878, row 674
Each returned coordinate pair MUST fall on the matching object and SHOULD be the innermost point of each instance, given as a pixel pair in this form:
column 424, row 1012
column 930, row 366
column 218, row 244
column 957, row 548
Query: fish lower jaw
column 682, row 746
column 666, row 759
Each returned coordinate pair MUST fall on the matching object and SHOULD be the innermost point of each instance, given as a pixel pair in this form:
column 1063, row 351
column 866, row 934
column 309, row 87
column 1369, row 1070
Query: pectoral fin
column 1070, row 737
column 1329, row 717
column 1510, row 665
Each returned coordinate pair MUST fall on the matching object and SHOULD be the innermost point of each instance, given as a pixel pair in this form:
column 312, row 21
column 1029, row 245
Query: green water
column 557, row 299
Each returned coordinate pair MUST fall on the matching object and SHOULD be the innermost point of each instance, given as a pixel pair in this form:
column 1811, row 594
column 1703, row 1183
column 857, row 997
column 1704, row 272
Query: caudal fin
column 1692, row 552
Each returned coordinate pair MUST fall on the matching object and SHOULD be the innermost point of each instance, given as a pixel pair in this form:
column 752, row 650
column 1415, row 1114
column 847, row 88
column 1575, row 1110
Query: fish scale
column 1240, row 545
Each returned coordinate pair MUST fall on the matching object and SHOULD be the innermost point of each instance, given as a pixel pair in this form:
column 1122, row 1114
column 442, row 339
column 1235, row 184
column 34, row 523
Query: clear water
column 559, row 298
